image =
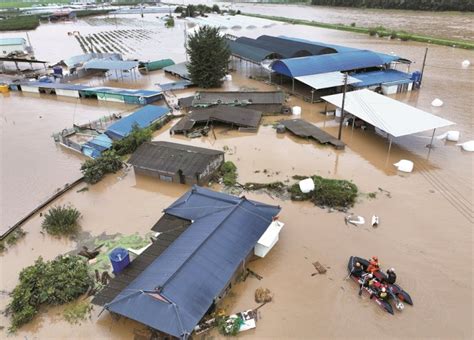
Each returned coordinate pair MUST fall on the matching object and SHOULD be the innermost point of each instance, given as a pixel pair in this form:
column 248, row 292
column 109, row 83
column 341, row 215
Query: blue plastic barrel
column 120, row 259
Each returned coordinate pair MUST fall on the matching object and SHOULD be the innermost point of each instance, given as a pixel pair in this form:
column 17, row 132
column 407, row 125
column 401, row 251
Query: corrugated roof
column 297, row 48
column 124, row 92
column 61, row 86
column 175, row 291
column 381, row 77
column 114, row 65
column 101, row 142
column 171, row 157
column 326, row 80
column 180, row 70
column 238, row 97
column 233, row 115
column 394, row 117
column 12, row 41
column 143, row 118
column 346, row 61
column 252, row 53
column 338, row 48
column 82, row 58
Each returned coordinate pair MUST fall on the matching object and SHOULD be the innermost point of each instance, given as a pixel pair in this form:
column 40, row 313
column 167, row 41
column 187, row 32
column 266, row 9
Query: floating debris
column 319, row 267
column 263, row 295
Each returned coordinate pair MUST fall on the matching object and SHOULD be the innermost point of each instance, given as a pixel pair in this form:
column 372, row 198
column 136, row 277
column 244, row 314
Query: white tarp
column 326, row 80
column 390, row 115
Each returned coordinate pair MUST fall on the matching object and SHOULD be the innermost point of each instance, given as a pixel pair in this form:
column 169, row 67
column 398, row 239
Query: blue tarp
column 381, row 77
column 143, row 118
column 176, row 290
column 346, row 61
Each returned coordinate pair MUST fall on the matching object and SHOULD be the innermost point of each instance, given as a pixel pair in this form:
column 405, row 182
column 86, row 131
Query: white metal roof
column 326, row 80
column 390, row 115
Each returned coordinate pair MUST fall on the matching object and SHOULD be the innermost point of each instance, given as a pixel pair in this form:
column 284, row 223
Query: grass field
column 22, row 4
column 378, row 31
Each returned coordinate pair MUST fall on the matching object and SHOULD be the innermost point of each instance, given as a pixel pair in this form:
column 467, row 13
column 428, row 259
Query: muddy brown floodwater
column 425, row 230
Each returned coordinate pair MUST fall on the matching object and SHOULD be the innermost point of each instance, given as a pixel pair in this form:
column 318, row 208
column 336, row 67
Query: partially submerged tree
column 95, row 169
column 55, row 282
column 209, row 57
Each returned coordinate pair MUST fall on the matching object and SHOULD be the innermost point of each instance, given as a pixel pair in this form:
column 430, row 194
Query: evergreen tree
column 209, row 57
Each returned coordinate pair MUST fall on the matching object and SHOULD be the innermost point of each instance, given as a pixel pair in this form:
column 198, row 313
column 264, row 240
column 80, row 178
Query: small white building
column 10, row 45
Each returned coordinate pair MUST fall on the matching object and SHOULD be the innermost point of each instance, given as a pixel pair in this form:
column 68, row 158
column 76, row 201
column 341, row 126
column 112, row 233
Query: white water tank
column 437, row 102
column 466, row 63
column 296, row 110
column 452, row 136
column 404, row 165
column 306, row 185
column 467, row 146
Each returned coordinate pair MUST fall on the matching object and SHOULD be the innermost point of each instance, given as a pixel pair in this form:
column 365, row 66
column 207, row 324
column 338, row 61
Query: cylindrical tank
column 120, row 259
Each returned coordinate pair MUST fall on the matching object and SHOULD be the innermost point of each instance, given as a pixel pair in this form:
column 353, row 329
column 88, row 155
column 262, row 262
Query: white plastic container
column 306, row 185
column 296, row 110
column 466, row 63
column 452, row 136
column 404, row 165
column 228, row 77
column 467, row 146
column 437, row 102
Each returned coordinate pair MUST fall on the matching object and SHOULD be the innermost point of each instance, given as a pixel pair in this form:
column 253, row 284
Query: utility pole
column 423, row 67
column 342, row 108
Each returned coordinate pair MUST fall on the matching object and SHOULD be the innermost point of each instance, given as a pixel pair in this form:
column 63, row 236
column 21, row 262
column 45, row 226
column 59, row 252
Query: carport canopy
column 394, row 117
column 326, row 80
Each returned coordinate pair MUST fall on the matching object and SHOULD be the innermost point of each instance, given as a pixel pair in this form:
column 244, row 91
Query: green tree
column 209, row 57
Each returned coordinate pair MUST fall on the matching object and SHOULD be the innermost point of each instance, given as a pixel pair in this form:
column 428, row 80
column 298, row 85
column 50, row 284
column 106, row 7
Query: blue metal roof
column 143, row 118
column 125, row 92
column 101, row 142
column 346, row 61
column 338, row 48
column 381, row 77
column 175, row 291
column 104, row 64
column 12, row 41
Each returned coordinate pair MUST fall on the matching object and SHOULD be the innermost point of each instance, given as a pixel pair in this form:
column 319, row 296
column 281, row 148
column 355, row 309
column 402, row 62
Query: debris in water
column 437, row 102
column 354, row 220
column 263, row 295
column 375, row 221
column 467, row 146
column 319, row 267
column 251, row 272
column 404, row 165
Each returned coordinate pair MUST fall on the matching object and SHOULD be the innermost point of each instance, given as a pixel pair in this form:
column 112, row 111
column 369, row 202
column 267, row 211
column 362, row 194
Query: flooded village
column 323, row 190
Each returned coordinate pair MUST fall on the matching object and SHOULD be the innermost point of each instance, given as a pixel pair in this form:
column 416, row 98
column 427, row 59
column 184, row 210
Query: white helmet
column 392, row 270
column 384, row 289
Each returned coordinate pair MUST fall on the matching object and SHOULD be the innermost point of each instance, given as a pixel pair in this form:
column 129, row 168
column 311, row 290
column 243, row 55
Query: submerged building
column 179, row 163
column 205, row 243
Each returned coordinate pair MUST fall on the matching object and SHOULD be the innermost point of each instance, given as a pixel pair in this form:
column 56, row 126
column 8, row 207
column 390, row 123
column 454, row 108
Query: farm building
column 111, row 94
column 146, row 66
column 242, row 118
column 317, row 68
column 142, row 118
column 179, row 163
column 267, row 102
column 12, row 45
column 180, row 277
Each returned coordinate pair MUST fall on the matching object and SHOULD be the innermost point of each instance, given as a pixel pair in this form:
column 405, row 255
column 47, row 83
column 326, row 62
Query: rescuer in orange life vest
column 373, row 265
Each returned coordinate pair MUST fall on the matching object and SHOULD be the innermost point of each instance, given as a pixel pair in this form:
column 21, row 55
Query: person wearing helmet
column 373, row 265
column 383, row 295
column 364, row 282
column 358, row 270
column 391, row 276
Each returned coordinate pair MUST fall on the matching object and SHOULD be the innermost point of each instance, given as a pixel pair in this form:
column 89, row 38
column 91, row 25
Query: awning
column 111, row 65
column 326, row 80
column 394, row 117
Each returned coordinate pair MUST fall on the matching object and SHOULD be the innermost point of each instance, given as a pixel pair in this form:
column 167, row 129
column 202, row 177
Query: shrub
column 95, row 169
column 61, row 220
column 131, row 142
column 332, row 193
column 169, row 22
column 229, row 173
column 229, row 326
column 47, row 283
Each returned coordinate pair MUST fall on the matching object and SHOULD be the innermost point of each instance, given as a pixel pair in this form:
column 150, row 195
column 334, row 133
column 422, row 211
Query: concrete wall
column 211, row 169
column 428, row 5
